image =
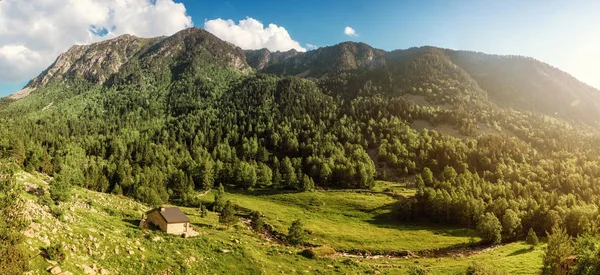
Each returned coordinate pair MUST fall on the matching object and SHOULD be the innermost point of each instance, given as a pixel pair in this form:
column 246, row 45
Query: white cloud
column 311, row 46
column 34, row 32
column 250, row 34
column 350, row 31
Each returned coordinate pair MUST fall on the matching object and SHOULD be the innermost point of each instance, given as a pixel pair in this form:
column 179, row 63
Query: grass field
column 514, row 258
column 99, row 232
column 350, row 221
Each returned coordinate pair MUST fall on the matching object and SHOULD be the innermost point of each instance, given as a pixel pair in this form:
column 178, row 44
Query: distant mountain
column 509, row 81
column 319, row 62
column 527, row 84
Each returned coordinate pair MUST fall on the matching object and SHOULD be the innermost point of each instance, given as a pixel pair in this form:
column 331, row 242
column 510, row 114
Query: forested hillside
column 155, row 119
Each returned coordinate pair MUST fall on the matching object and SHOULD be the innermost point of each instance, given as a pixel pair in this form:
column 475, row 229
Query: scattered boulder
column 55, row 270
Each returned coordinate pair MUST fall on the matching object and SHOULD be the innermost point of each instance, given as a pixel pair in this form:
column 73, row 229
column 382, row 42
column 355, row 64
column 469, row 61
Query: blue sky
column 563, row 34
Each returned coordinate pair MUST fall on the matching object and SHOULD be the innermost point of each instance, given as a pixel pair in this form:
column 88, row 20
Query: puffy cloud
column 250, row 34
column 350, row 31
column 311, row 46
column 34, row 32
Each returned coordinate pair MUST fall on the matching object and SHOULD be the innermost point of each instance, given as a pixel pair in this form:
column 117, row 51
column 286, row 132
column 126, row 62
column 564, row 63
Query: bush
column 296, row 233
column 318, row 252
column 203, row 211
column 55, row 252
column 478, row 269
column 227, row 216
column 490, row 229
column 532, row 238
column 559, row 247
column 417, row 270
column 60, row 191
column 258, row 222
column 57, row 212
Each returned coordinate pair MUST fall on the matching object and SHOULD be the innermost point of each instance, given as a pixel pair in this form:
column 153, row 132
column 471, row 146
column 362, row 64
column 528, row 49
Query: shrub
column 57, row 212
column 228, row 215
column 490, row 229
column 258, row 222
column 203, row 211
column 559, row 247
column 60, row 191
column 417, row 270
column 478, row 269
column 55, row 252
column 296, row 233
column 532, row 238
column 318, row 252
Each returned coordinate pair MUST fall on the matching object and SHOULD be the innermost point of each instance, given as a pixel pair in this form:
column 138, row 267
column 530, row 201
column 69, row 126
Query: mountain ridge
column 517, row 82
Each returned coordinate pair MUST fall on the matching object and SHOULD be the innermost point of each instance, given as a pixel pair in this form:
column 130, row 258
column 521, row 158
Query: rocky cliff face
column 95, row 62
column 323, row 61
column 260, row 59
column 98, row 62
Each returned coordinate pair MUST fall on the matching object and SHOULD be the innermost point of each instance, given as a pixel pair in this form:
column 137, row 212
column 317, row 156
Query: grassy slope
column 513, row 258
column 349, row 221
column 101, row 230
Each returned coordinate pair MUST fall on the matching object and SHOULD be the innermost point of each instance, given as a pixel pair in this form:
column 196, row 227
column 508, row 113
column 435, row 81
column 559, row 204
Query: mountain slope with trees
column 157, row 119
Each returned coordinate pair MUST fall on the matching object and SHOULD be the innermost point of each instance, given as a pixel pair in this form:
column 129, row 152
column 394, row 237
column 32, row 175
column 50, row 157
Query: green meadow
column 99, row 232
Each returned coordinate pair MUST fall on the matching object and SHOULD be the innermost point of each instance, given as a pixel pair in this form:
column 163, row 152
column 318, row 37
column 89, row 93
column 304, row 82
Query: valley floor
column 100, row 235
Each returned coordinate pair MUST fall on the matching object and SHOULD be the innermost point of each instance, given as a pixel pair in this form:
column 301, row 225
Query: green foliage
column 511, row 224
column 55, row 252
column 318, row 252
column 418, row 270
column 60, row 190
column 560, row 246
column 489, row 229
column 219, row 202
column 479, row 269
column 203, row 211
column 14, row 259
column 532, row 238
column 227, row 216
column 258, row 222
column 296, row 233
column 587, row 248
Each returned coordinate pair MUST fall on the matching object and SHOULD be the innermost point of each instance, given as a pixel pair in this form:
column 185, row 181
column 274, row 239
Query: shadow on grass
column 520, row 251
column 132, row 223
column 261, row 192
column 392, row 219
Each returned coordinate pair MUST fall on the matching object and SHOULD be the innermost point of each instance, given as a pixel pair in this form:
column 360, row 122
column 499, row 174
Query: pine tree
column 532, row 238
column 490, row 229
column 227, row 216
column 258, row 222
column 203, row 211
column 219, row 199
column 296, row 233
column 559, row 247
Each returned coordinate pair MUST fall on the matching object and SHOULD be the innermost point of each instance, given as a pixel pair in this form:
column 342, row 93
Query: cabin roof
column 171, row 214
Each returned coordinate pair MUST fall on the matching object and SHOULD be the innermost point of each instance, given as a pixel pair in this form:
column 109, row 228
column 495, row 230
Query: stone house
column 169, row 219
